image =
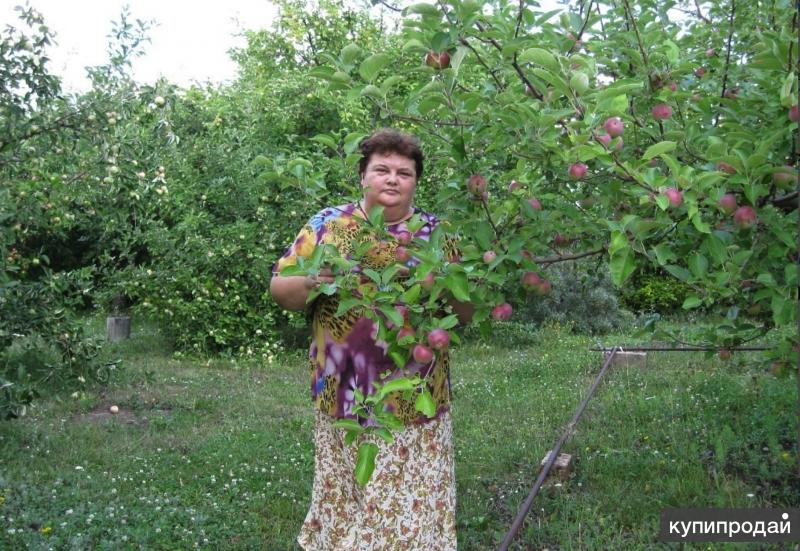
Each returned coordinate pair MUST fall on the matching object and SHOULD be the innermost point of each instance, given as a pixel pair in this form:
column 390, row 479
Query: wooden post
column 118, row 328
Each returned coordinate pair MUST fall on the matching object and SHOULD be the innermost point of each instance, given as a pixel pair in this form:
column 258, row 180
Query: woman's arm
column 291, row 292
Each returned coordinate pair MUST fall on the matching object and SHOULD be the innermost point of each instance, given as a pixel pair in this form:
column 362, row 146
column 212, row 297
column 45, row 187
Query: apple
column 476, row 184
column 699, row 72
column 544, row 288
column 502, row 312
column 728, row 203
column 579, row 82
column 725, row 354
column 402, row 254
column 422, row 354
column 489, row 256
column 405, row 332
column 614, row 126
column 403, row 311
column 794, row 113
column 604, row 139
column 672, row 86
column 114, row 410
column 437, row 60
column 560, row 240
column 438, row 339
column 711, row 52
column 160, row 101
column 577, row 170
column 725, row 167
column 674, row 195
column 784, row 175
column 586, row 202
column 744, row 217
column 534, row 203
column 514, row 185
column 404, row 237
column 531, row 280
column 731, row 93
column 661, row 111
column 428, row 281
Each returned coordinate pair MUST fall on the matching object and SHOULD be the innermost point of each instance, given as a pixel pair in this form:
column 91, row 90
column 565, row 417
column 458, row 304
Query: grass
column 219, row 455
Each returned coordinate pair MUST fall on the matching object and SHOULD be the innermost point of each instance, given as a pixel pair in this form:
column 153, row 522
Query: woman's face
column 389, row 181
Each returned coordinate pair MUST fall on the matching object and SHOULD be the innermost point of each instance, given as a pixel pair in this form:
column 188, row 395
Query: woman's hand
column 325, row 276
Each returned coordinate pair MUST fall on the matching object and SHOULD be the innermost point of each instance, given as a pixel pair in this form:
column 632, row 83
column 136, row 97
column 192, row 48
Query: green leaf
column 385, row 435
column 622, row 262
column 540, row 57
column 349, row 53
column 324, row 139
column 458, row 285
column 371, row 66
column 392, row 314
column 349, row 425
column 423, row 9
column 663, row 253
column 365, row 464
column 397, row 385
column 425, row 403
column 411, row 295
column 698, row 264
column 681, row 273
column 699, row 225
column 692, row 301
column 658, row 149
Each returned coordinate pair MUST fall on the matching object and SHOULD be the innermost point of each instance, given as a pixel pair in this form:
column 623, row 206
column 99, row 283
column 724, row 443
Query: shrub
column 652, row 292
column 582, row 297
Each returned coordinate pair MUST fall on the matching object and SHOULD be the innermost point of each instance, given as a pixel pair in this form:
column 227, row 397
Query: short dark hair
column 388, row 140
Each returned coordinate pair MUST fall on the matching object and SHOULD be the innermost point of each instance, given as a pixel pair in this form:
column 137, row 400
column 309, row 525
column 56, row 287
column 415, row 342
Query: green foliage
column 583, row 297
column 654, row 293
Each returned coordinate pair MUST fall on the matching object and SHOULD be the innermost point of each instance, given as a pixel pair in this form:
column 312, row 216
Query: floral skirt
column 409, row 503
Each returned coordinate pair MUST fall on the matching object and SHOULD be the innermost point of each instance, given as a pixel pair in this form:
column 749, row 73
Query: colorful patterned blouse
column 344, row 354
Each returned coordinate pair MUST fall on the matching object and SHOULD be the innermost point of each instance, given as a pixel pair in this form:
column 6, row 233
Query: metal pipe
column 679, row 349
column 526, row 506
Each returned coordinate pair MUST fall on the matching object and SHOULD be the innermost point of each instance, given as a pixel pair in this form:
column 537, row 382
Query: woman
column 409, row 503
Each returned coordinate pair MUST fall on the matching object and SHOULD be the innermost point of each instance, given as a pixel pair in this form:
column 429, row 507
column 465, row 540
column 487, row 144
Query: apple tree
column 646, row 134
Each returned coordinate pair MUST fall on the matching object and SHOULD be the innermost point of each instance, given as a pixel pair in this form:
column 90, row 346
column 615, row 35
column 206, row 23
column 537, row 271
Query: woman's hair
column 388, row 140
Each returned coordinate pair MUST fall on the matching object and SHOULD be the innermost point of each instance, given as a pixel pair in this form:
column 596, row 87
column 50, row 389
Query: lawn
column 218, row 454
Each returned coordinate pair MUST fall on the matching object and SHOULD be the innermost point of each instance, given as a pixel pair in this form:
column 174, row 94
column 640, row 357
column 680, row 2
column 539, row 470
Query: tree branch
column 727, row 58
column 563, row 258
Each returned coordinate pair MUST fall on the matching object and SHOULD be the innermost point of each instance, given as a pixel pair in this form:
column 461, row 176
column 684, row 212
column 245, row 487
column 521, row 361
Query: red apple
column 725, row 354
column 731, row 93
column 428, row 281
column 502, row 312
column 604, row 139
column 544, row 288
column 489, row 256
column 404, row 237
column 794, row 113
column 577, row 170
column 674, row 195
column 438, row 339
column 437, row 60
column 699, row 72
column 661, row 111
column 725, row 167
column 744, row 217
column 403, row 311
column 476, row 184
column 560, row 240
column 614, row 126
column 514, row 185
column 530, row 280
column 422, row 354
column 402, row 254
column 784, row 175
column 534, row 203
column 728, row 203
column 710, row 52
column 673, row 86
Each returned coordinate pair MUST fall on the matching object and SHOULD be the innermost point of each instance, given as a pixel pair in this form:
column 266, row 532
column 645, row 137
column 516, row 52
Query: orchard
column 582, row 160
